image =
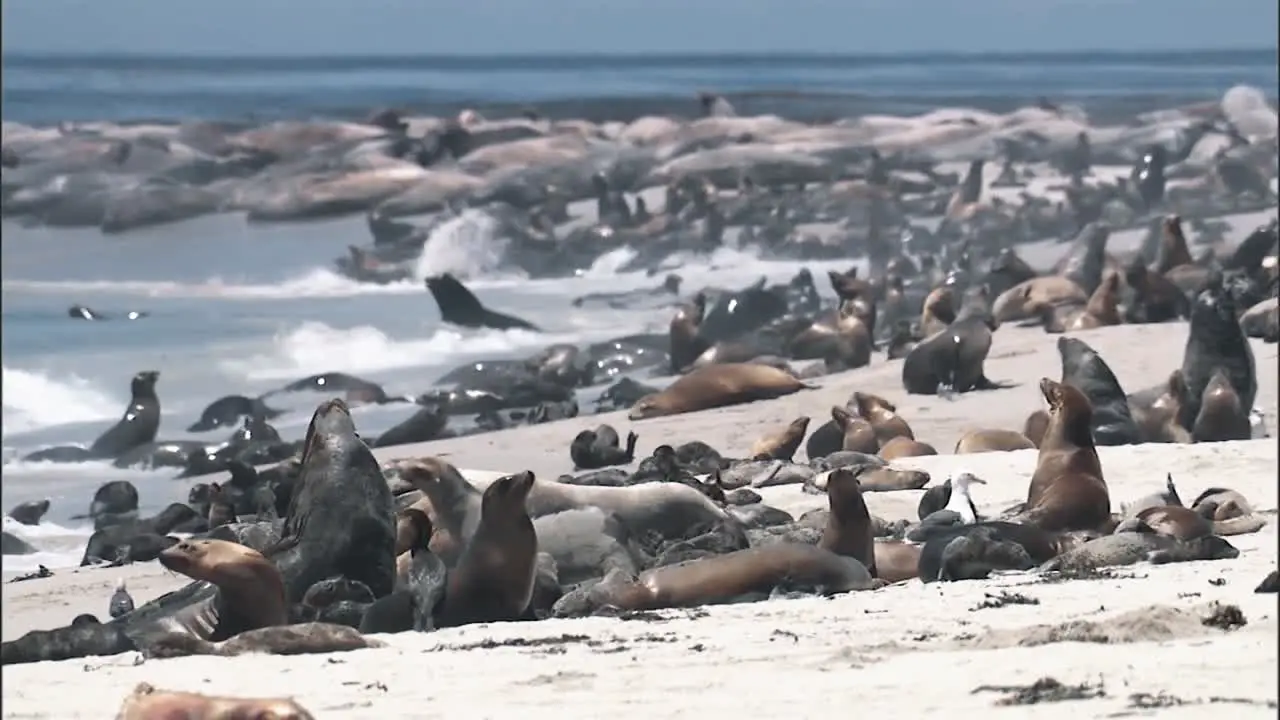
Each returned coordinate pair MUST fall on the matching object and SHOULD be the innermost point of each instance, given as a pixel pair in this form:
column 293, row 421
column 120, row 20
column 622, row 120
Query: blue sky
column 338, row 27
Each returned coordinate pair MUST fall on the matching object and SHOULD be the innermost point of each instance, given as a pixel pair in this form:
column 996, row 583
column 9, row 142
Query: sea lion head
column 841, row 416
column 144, row 383
column 413, row 529
column 868, row 404
column 507, row 493
column 646, row 407
column 330, row 423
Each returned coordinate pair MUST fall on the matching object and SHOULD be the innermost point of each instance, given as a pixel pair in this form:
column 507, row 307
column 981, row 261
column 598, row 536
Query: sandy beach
column 907, row 649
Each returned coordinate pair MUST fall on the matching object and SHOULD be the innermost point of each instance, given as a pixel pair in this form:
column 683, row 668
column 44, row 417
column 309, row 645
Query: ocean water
column 241, row 309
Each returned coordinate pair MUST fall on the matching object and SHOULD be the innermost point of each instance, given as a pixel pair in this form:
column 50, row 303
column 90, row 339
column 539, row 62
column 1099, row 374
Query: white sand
column 906, row 649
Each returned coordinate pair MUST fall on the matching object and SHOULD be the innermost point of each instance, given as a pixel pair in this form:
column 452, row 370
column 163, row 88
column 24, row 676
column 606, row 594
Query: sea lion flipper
column 983, row 383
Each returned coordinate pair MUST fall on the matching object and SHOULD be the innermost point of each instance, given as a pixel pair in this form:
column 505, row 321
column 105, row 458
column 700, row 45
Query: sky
column 353, row 27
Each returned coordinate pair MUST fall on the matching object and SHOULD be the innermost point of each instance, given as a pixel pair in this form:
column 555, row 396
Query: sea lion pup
column 1067, row 490
column 1230, row 512
column 857, row 433
column 451, row 503
column 599, row 448
column 1084, row 369
column 683, row 333
column 1127, row 548
column 849, row 531
column 742, row 575
column 493, row 580
column 250, row 585
column 938, row 312
column 1164, row 420
column 413, row 529
column 1221, row 415
column 992, row 440
column 901, row 447
column 1021, row 301
column 972, row 555
column 1215, row 341
column 148, row 703
column 716, row 386
column 781, row 445
column 883, row 416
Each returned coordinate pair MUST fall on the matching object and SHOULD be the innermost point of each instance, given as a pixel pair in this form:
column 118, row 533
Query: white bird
column 961, row 503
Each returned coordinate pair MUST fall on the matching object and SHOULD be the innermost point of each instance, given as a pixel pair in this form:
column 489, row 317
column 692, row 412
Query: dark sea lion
column 11, row 544
column 229, row 411
column 1269, row 584
column 1067, row 490
column 1155, row 298
column 900, row 341
column 992, row 440
column 1215, row 341
column 1164, row 419
column 1221, row 416
column 599, row 448
column 783, row 444
column 424, row 425
column 883, row 416
column 686, row 342
column 848, row 531
column 900, row 447
column 1127, row 548
column 458, row 306
column 742, row 574
column 29, row 513
column 971, row 555
column 340, row 519
column 952, row 359
column 249, row 584
column 1084, row 369
column 717, row 386
column 121, row 602
column 148, row 703
column 857, row 434
column 413, row 529
column 140, row 423
column 493, row 580
column 337, row 384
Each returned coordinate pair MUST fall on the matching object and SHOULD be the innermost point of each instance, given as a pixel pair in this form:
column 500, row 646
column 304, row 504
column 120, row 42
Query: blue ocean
column 239, row 308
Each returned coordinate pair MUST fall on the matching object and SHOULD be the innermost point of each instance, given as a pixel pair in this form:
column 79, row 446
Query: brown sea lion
column 878, row 478
column 896, row 561
column 148, row 703
column 1067, row 490
column 1229, row 511
column 413, row 531
column 781, row 445
column 993, row 440
column 717, row 386
column 1026, row 299
column 858, row 434
column 938, row 312
column 849, row 531
column 1173, row 521
column 1165, row 419
column 1103, row 307
column 1173, row 251
column 250, row 585
column 686, row 341
column 1262, row 320
column 965, row 200
column 900, row 447
column 1221, row 416
column 493, row 580
column 848, row 285
column 1036, row 425
column 843, row 339
column 883, row 416
column 451, row 504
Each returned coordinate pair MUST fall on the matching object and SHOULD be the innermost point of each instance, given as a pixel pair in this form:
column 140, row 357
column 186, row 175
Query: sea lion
column 1035, row 426
column 1174, row 521
column 857, row 433
column 896, row 560
column 938, row 312
column 413, row 529
column 952, row 359
column 876, row 478
column 848, row 531
column 1165, row 418
column 686, row 343
column 716, row 386
column 883, row 416
column 424, row 425
column 781, row 445
column 29, row 513
column 1173, row 250
column 1229, row 511
column 1154, row 298
column 1127, row 548
column 847, row 285
column 121, row 602
column 992, row 440
column 900, row 447
column 249, row 584
column 1067, row 490
column 1084, row 369
column 900, row 341
column 493, row 580
column 599, row 448
column 140, row 423
column 340, row 518
column 1103, row 307
column 1262, row 320
column 1216, row 341
column 972, row 555
column 458, row 306
column 1021, row 301
column 229, row 410
column 148, row 703
column 742, row 574
column 1221, row 416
